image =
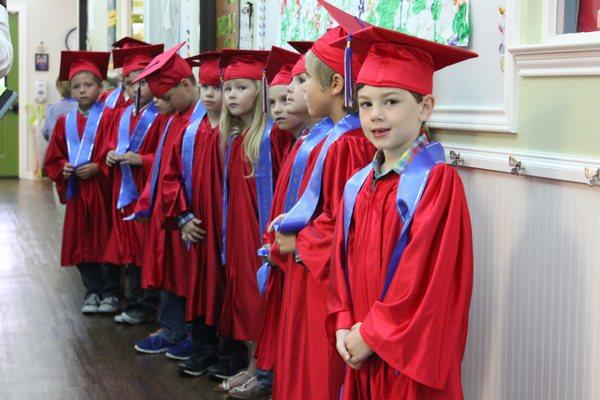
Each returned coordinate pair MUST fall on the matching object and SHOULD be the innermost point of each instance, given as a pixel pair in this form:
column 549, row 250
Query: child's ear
column 428, row 104
column 337, row 84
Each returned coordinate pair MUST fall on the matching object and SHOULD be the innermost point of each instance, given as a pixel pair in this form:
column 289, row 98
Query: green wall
column 555, row 114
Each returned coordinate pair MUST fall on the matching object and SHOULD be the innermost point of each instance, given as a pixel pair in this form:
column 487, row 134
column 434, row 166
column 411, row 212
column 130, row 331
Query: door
column 9, row 125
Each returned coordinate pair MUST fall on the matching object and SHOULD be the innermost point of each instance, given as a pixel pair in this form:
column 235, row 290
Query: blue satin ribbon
column 187, row 150
column 80, row 152
column 128, row 192
column 410, row 189
column 154, row 176
column 263, row 172
column 113, row 98
column 314, row 137
column 301, row 214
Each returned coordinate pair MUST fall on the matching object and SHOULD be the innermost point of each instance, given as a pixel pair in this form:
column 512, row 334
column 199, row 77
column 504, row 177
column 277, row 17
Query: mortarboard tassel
column 348, row 93
column 265, row 93
column 138, row 95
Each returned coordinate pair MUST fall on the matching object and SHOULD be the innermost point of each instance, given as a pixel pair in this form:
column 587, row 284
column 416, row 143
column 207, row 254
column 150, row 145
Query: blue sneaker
column 182, row 350
column 154, row 345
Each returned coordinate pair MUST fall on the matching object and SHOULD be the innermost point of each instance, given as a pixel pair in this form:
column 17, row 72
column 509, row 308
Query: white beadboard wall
column 534, row 329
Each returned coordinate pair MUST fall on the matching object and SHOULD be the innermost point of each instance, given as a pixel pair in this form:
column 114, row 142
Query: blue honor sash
column 187, row 150
column 128, row 191
column 113, row 98
column 80, row 152
column 410, row 189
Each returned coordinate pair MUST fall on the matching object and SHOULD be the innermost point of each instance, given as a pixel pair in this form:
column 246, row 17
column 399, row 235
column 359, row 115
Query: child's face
column 318, row 100
column 240, row 95
column 180, row 97
column 391, row 117
column 131, row 88
column 277, row 107
column 163, row 107
column 85, row 89
column 296, row 91
column 211, row 97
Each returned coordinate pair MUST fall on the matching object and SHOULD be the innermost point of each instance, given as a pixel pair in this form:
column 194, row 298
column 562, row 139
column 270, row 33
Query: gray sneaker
column 91, row 304
column 109, row 305
column 135, row 317
column 118, row 318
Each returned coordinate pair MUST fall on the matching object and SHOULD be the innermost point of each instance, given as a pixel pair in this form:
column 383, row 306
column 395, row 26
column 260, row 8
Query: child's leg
column 91, row 278
column 171, row 316
column 204, row 337
column 111, row 280
column 139, row 300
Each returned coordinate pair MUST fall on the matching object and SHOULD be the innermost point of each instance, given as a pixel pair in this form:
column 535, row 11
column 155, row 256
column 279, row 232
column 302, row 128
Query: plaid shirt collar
column 399, row 166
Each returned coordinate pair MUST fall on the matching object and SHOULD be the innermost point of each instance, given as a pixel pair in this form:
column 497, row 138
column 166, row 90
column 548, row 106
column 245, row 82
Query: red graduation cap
column 279, row 66
column 243, row 64
column 135, row 58
column 128, row 42
column 74, row 62
column 394, row 59
column 302, row 48
column 209, row 72
column 165, row 71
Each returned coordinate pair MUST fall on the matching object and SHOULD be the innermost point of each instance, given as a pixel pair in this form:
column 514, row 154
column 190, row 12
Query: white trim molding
column 544, row 165
column 472, row 119
column 545, row 60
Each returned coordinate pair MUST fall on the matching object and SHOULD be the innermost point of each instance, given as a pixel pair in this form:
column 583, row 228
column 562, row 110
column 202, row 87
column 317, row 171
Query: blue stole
column 80, row 152
column 301, row 214
column 317, row 133
column 187, row 150
column 410, row 189
column 263, row 172
column 128, row 191
column 154, row 176
column 113, row 97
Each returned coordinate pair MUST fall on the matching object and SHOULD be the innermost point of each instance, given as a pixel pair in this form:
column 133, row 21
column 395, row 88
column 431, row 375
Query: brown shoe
column 250, row 391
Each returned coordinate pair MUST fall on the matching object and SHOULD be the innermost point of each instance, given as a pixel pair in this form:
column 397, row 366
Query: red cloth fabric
column 302, row 341
column 163, row 265
column 243, row 306
column 74, row 62
column 121, row 101
column 204, row 272
column 127, row 238
column 87, row 217
column 588, row 19
column 418, row 331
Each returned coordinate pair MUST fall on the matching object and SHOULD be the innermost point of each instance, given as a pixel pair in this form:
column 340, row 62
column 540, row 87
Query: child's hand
column 67, row 170
column 357, row 347
column 340, row 344
column 268, row 247
column 191, row 231
column 278, row 218
column 87, row 171
column 286, row 242
column 111, row 158
column 131, row 158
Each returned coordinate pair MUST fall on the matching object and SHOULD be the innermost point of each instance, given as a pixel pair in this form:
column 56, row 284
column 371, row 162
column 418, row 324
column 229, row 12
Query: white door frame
column 24, row 145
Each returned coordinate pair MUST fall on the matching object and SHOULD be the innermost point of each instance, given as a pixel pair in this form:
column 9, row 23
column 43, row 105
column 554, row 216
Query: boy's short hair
column 323, row 74
column 192, row 79
column 64, row 88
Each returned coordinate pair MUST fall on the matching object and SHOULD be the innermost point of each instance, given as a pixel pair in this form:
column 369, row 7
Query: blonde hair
column 64, row 88
column 230, row 125
column 323, row 74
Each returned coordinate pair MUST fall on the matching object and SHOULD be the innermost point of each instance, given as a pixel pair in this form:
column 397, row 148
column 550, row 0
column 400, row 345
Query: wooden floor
column 48, row 349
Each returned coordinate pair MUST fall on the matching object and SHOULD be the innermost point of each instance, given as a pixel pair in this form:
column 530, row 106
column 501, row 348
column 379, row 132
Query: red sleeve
column 174, row 200
column 56, row 158
column 422, row 321
column 344, row 158
column 109, row 128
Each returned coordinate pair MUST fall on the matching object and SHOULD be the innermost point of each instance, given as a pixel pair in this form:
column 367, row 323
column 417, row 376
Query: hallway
column 48, row 349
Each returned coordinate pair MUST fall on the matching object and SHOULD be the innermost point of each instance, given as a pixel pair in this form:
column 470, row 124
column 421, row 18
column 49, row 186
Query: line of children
column 362, row 231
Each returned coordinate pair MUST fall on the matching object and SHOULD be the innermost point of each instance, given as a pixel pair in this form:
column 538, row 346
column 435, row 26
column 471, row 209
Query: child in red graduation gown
column 279, row 75
column 401, row 273
column 253, row 151
column 305, row 234
column 169, row 78
column 129, row 153
column 195, row 204
column 119, row 98
column 72, row 162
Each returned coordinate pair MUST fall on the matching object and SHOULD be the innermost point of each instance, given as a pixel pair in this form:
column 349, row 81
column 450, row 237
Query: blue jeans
column 103, row 280
column 171, row 316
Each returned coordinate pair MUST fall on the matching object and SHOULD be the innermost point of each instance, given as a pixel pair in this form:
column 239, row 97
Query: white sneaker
column 109, row 305
column 119, row 318
column 91, row 304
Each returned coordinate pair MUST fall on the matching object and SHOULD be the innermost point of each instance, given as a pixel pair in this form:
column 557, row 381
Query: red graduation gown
column 163, row 265
column 127, row 238
column 420, row 328
column 267, row 341
column 303, row 342
column 121, row 101
column 87, row 217
column 205, row 275
column 243, row 306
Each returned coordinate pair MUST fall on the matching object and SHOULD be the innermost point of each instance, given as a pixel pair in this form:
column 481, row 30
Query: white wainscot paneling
column 535, row 312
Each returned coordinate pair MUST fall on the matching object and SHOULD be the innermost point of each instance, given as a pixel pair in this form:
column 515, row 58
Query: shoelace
column 248, row 383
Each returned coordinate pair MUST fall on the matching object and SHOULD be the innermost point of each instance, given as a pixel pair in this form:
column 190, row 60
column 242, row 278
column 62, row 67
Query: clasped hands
column 285, row 241
column 85, row 171
column 129, row 158
column 351, row 346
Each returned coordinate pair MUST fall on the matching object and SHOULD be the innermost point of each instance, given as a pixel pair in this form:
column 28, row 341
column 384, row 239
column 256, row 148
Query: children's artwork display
column 443, row 21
